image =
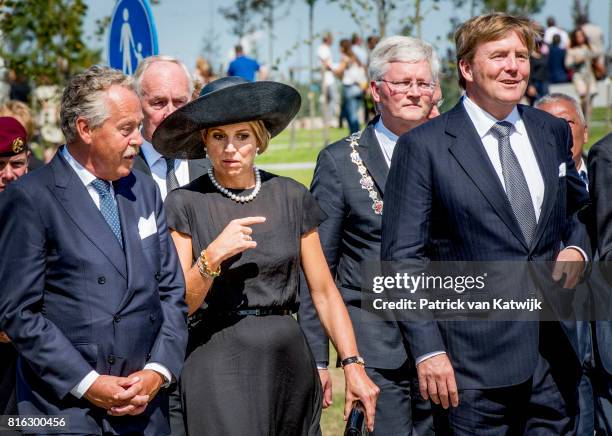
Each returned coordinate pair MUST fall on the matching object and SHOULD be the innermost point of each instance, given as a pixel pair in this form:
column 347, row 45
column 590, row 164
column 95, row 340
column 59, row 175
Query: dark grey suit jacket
column 351, row 234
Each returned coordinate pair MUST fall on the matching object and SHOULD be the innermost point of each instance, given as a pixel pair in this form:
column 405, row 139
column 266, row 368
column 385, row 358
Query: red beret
column 13, row 137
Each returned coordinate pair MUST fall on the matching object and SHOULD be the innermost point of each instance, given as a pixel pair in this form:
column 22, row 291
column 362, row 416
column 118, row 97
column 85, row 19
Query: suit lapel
column 372, row 156
column 129, row 217
column 469, row 152
column 543, row 146
column 76, row 201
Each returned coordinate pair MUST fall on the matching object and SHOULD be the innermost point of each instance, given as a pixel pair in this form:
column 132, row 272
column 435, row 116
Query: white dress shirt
column 386, row 139
column 86, row 177
column 157, row 164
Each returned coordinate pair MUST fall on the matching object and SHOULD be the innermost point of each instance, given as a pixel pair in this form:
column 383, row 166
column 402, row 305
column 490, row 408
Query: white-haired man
column 349, row 183
column 163, row 84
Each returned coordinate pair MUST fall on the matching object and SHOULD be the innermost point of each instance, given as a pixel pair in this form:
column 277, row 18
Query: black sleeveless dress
column 249, row 375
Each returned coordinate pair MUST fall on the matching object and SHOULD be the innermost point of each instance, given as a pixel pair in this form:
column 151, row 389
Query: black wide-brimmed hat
column 225, row 101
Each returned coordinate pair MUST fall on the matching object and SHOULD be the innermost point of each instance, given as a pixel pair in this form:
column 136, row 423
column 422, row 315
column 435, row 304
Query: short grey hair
column 148, row 61
column 401, row 49
column 555, row 97
column 84, row 97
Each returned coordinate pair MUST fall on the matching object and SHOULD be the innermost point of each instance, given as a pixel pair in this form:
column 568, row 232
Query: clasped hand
column 125, row 395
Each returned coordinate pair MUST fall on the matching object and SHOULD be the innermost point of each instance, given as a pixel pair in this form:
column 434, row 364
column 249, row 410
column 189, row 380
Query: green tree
column 516, row 7
column 239, row 13
column 43, row 39
column 268, row 10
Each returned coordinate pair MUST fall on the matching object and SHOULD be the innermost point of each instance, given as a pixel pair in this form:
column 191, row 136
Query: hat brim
column 178, row 136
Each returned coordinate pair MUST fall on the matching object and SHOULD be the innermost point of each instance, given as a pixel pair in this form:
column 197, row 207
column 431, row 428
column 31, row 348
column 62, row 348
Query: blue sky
column 183, row 25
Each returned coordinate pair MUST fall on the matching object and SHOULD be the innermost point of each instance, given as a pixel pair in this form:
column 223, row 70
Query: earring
column 257, row 150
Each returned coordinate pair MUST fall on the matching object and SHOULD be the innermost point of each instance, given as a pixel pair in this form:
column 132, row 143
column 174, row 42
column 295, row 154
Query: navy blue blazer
column 350, row 235
column 73, row 300
column 444, row 201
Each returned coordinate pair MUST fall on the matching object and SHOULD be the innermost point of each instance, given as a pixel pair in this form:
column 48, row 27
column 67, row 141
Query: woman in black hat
column 241, row 234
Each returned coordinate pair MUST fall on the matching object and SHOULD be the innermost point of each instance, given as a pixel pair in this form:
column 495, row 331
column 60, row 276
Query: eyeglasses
column 423, row 87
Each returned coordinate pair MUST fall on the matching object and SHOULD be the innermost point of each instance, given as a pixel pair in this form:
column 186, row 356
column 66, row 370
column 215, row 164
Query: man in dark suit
column 92, row 292
column 491, row 180
column 164, row 84
column 349, row 184
column 600, row 179
column 567, row 107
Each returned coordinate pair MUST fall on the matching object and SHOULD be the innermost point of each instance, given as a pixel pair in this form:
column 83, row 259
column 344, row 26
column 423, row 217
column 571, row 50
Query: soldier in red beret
column 14, row 151
column 14, row 157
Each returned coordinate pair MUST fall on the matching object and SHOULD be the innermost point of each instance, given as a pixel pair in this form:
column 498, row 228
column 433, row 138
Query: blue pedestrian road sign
column 132, row 35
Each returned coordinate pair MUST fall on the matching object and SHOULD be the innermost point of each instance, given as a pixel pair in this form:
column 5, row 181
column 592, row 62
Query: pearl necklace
column 231, row 195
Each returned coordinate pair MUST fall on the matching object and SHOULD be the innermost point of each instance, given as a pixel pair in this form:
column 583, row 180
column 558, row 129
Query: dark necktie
column 585, row 178
column 517, row 190
column 171, row 180
column 108, row 207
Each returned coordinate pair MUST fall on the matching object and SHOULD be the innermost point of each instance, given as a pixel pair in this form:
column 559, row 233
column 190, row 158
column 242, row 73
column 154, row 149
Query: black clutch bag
column 355, row 424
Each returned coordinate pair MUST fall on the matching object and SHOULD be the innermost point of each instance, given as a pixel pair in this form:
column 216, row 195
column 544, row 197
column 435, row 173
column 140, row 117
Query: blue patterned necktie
column 108, row 207
column 517, row 190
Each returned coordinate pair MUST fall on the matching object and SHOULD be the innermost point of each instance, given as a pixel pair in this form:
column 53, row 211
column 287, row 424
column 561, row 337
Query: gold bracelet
column 204, row 268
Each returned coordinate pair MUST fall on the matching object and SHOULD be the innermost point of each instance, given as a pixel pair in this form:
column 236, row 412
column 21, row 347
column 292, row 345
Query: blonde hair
column 21, row 112
column 490, row 27
column 262, row 136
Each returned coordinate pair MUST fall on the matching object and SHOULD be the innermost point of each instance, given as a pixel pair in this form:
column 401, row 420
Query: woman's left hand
column 359, row 388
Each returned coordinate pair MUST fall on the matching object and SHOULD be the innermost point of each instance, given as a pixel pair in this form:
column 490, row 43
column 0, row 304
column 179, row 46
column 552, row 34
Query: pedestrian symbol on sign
column 132, row 35
column 127, row 43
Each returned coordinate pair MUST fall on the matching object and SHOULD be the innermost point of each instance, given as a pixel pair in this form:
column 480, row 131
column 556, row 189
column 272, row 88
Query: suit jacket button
column 116, row 318
column 101, row 280
column 111, row 359
column 157, row 276
column 152, row 317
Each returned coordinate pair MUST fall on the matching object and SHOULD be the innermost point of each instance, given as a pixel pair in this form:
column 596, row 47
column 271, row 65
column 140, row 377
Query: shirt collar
column 150, row 154
column 483, row 121
column 83, row 173
column 386, row 133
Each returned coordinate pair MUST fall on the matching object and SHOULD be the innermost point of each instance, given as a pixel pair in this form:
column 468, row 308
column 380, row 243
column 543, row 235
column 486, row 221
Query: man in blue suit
column 92, row 293
column 491, row 180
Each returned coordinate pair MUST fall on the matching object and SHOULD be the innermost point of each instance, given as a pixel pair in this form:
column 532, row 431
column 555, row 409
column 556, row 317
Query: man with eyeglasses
column 349, row 184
